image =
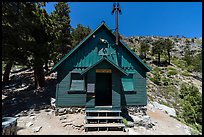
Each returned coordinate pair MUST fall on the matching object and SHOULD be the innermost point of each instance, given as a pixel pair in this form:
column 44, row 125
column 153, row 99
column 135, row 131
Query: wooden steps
column 103, row 119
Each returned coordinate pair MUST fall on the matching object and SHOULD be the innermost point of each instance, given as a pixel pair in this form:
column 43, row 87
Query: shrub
column 157, row 69
column 191, row 102
column 179, row 63
column 125, row 121
column 166, row 81
column 156, row 79
column 171, row 72
column 185, row 73
column 171, row 68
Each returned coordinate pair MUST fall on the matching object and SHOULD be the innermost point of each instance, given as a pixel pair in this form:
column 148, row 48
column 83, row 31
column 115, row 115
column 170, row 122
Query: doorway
column 103, row 89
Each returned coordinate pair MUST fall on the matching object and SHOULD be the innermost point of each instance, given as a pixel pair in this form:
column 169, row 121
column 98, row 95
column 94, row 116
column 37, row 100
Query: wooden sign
column 103, row 71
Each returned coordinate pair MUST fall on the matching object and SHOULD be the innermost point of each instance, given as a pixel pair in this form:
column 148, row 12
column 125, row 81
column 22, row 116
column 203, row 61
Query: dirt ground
column 52, row 125
column 63, row 125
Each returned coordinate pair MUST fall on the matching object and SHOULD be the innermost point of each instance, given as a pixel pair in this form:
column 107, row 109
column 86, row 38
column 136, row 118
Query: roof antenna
column 116, row 9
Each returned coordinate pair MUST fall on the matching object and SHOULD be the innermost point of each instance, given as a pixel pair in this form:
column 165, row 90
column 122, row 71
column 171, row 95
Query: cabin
column 99, row 75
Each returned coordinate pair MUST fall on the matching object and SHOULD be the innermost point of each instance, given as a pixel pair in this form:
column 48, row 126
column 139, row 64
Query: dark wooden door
column 103, row 91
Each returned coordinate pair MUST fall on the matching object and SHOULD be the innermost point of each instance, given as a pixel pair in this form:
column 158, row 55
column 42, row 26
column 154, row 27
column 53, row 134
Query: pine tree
column 27, row 26
column 168, row 46
column 79, row 34
column 158, row 48
column 144, row 48
column 62, row 28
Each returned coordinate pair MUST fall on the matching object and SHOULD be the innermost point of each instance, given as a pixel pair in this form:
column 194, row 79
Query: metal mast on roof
column 116, row 9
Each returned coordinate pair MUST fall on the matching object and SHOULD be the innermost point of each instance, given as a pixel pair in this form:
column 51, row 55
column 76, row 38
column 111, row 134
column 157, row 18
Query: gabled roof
column 86, row 38
column 101, row 60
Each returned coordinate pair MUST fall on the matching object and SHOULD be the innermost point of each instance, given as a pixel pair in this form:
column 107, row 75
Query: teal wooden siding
column 65, row 99
column 116, row 91
column 91, row 78
column 87, row 54
column 138, row 98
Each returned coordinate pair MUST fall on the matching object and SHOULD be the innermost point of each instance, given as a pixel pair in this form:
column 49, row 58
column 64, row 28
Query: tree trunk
column 46, row 66
column 169, row 57
column 7, row 72
column 159, row 59
column 145, row 55
column 39, row 76
column 36, row 79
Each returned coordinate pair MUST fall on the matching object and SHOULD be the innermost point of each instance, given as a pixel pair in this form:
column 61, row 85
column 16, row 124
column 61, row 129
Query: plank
column 105, row 125
column 104, row 117
column 102, row 111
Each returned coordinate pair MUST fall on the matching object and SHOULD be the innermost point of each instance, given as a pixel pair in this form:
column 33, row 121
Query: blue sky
column 140, row 18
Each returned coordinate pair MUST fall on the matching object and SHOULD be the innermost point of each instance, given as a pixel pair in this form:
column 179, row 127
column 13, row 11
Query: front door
column 103, row 90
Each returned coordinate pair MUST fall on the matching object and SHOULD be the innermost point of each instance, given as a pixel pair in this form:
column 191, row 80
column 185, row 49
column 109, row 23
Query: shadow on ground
column 23, row 98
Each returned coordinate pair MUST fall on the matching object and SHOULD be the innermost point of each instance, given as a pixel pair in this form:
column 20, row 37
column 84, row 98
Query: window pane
column 77, row 85
column 127, row 83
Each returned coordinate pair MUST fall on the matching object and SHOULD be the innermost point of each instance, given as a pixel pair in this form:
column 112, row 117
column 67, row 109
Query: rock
column 132, row 132
column 149, row 125
column 9, row 126
column 170, row 111
column 151, row 106
column 64, row 121
column 77, row 123
column 29, row 124
column 69, row 122
column 81, row 128
column 136, row 119
column 52, row 101
column 63, row 117
column 130, row 124
column 145, row 118
column 61, row 110
column 36, row 111
column 37, row 129
column 33, row 117
column 65, row 124
column 50, row 113
column 32, row 114
column 126, row 129
column 47, row 110
column 17, row 115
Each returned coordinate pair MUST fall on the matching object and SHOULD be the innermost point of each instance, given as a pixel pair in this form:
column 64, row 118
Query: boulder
column 130, row 124
column 62, row 117
column 146, row 118
column 9, row 126
column 170, row 111
column 136, row 119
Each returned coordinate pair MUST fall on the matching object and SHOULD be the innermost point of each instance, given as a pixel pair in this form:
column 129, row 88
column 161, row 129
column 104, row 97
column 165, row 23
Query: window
column 77, row 83
column 128, row 84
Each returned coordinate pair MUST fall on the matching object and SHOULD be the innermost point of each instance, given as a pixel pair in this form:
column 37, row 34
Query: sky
column 140, row 18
